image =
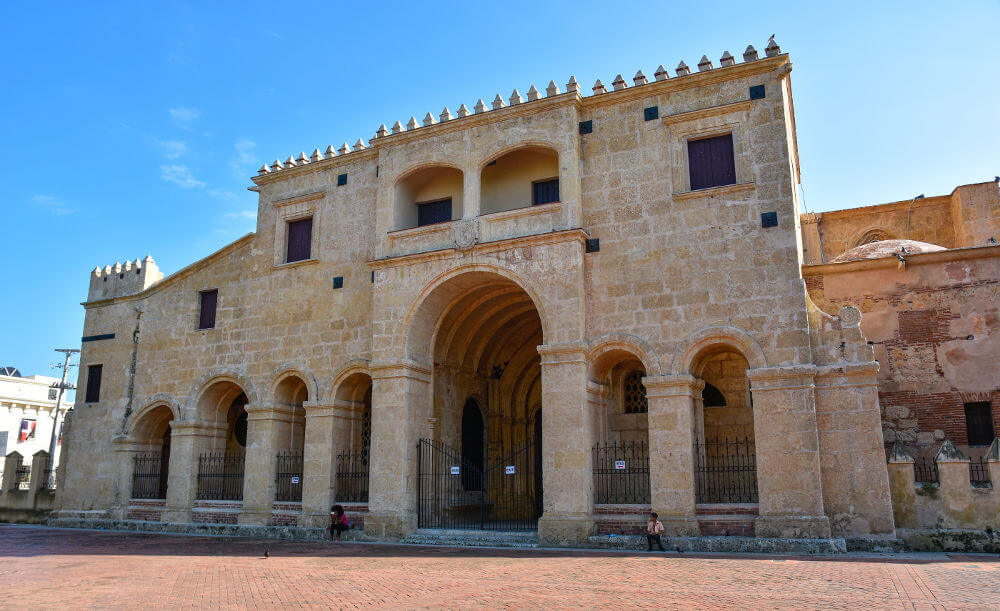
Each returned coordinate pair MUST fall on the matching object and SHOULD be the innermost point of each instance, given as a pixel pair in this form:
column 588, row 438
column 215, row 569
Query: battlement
column 533, row 94
column 118, row 280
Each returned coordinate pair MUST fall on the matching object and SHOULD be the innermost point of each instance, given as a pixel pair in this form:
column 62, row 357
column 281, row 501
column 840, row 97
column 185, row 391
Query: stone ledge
column 751, row 545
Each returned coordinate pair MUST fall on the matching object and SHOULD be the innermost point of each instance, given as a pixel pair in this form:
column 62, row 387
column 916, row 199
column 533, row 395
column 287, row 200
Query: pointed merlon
column 276, row 166
column 949, row 453
column 599, row 87
column 117, row 268
column 661, row 73
column 480, row 106
column 263, row 170
column 289, row 163
column 682, row 69
column 148, row 259
column 705, row 64
column 302, row 159
column 498, row 103
column 382, row 131
column 727, row 59
column 429, row 119
column 572, row 86
column 772, row 49
column 412, row 124
column 360, row 144
column 107, row 269
column 750, row 54
column 330, row 152
column 533, row 94
column 397, row 127
column 639, row 78
column 463, row 110
column 619, row 83
column 515, row 98
column 445, row 115
column 552, row 89
column 344, row 149
column 316, row 156
column 97, row 270
column 899, row 453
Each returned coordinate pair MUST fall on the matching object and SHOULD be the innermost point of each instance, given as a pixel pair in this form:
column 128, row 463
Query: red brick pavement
column 47, row 568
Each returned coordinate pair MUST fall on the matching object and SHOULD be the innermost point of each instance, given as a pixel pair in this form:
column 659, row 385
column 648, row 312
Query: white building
column 27, row 405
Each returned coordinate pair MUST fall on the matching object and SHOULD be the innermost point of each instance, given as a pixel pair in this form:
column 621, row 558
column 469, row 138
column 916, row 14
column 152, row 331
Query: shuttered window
column 979, row 423
column 94, row 383
column 299, row 240
column 711, row 162
column 545, row 191
column 209, row 299
column 429, row 213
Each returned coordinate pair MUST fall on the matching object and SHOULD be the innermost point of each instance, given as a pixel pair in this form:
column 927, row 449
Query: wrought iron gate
column 454, row 493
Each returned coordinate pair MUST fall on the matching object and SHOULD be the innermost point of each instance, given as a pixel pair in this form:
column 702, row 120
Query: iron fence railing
column 979, row 471
column 22, row 478
column 147, row 476
column 352, row 477
column 726, row 471
column 925, row 470
column 621, row 473
column 288, row 477
column 220, row 476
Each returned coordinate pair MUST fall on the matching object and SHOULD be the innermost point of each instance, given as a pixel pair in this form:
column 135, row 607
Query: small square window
column 545, row 191
column 757, row 92
column 209, row 300
column 586, row 127
column 711, row 162
column 93, row 383
column 299, row 240
column 429, row 213
column 979, row 423
column 53, row 394
column 651, row 113
column 341, row 180
column 769, row 219
column 338, row 282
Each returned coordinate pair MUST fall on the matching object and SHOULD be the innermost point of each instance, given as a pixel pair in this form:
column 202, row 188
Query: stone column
column 401, row 409
column 567, row 438
column 39, row 461
column 955, row 488
column 10, row 465
column 187, row 440
column 328, row 431
column 788, row 471
column 265, row 424
column 902, row 487
column 471, row 193
column 993, row 464
column 672, row 420
column 597, row 396
column 123, row 451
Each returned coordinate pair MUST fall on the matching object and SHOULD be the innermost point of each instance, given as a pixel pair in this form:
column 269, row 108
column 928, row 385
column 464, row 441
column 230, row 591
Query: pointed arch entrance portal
column 481, row 467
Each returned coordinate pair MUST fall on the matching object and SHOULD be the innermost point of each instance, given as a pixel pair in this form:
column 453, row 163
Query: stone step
column 473, row 538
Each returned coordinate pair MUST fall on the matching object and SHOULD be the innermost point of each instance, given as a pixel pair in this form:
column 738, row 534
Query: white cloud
column 52, row 204
column 172, row 149
column 183, row 115
column 242, row 214
column 245, row 158
column 221, row 194
column 180, row 175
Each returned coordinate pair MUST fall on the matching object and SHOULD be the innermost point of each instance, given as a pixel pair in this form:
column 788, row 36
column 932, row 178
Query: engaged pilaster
column 187, row 438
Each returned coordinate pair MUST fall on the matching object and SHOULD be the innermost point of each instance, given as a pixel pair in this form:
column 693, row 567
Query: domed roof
column 886, row 248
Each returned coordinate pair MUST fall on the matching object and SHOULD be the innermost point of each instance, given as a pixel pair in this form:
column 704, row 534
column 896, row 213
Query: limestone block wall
column 976, row 209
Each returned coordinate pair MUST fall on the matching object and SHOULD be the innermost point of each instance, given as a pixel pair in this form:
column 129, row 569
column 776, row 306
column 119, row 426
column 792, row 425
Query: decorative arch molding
column 300, row 371
column 706, row 337
column 505, row 148
column 424, row 165
column 348, row 369
column 219, row 374
column 149, row 404
column 420, row 304
column 624, row 342
column 874, row 233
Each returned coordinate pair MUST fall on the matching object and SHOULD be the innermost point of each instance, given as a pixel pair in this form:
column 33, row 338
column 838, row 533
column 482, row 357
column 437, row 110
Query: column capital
column 340, row 408
column 194, row 428
column 566, row 352
column 401, row 368
column 269, row 411
column 680, row 385
column 782, row 378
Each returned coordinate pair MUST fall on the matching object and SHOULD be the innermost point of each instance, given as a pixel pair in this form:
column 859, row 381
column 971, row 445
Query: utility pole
column 63, row 386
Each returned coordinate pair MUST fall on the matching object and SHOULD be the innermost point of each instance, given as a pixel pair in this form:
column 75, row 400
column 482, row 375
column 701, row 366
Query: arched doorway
column 353, row 439
column 151, row 460
column 290, row 431
column 222, row 406
column 478, row 465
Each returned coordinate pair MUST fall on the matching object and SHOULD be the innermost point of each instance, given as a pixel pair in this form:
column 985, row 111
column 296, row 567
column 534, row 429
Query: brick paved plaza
column 46, row 568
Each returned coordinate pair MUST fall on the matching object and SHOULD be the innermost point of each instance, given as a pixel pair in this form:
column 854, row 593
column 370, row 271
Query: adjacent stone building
column 552, row 312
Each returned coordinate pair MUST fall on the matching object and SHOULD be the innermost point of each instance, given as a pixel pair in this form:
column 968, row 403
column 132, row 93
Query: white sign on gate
column 455, row 470
column 510, row 469
column 295, row 480
column 620, row 465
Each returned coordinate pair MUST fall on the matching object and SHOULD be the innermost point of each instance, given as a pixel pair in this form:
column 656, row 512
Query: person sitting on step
column 338, row 522
column 653, row 531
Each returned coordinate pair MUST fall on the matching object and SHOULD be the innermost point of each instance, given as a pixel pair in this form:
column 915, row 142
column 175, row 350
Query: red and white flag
column 27, row 430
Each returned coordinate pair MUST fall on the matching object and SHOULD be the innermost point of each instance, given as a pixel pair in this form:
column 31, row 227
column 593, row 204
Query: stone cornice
column 299, row 199
column 705, row 113
column 566, row 352
column 782, row 377
column 403, row 368
column 934, row 200
column 552, row 237
column 316, row 166
column 923, row 258
column 679, row 385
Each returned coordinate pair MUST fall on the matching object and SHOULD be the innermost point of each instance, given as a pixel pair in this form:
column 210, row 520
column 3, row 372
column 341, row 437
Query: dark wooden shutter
column 299, row 239
column 545, row 192
column 434, row 212
column 979, row 423
column 94, row 383
column 209, row 299
column 711, row 162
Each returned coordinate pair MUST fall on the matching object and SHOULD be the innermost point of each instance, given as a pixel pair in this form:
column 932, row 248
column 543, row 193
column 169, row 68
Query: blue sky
column 133, row 128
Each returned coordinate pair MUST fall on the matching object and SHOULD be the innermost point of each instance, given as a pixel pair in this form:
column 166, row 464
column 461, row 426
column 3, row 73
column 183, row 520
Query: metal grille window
column 925, row 470
column 979, row 423
column 635, row 394
column 209, row 301
column 979, row 472
column 429, row 213
column 22, row 478
column 545, row 191
column 366, row 428
column 288, row 477
column 220, row 476
column 621, row 473
column 726, row 471
column 352, row 477
column 711, row 162
column 94, row 383
column 147, row 477
column 299, row 240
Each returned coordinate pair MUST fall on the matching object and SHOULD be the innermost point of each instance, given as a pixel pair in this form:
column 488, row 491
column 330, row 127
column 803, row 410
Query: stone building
column 552, row 312
column 27, row 409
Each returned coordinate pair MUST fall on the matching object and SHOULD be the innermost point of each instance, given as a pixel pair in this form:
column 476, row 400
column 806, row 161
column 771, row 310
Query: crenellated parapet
column 500, row 102
column 123, row 279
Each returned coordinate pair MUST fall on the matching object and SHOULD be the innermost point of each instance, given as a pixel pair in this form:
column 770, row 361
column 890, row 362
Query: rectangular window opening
column 979, row 423
column 299, row 240
column 93, row 383
column 209, row 300
column 430, row 213
column 545, row 191
column 711, row 162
